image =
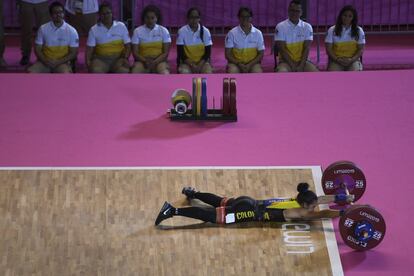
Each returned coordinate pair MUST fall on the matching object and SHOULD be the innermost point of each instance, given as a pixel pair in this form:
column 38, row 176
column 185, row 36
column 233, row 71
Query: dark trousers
column 30, row 13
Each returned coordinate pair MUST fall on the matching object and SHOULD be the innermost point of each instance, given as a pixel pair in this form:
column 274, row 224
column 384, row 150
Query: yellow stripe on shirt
column 244, row 55
column 55, row 52
column 151, row 49
column 345, row 49
column 284, row 205
column 194, row 52
column 113, row 48
column 295, row 50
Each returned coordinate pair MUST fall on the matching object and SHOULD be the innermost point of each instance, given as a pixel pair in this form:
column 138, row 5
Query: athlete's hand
column 342, row 61
column 243, row 68
column 350, row 198
column 199, row 66
column 293, row 66
column 300, row 67
column 150, row 63
column 348, row 61
column 52, row 64
column 194, row 68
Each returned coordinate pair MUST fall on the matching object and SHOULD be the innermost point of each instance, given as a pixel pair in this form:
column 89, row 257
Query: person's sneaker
column 25, row 60
column 167, row 211
column 189, row 192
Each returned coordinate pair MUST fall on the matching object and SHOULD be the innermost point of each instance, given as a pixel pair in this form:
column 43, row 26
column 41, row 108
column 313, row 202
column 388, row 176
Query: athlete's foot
column 189, row 192
column 167, row 211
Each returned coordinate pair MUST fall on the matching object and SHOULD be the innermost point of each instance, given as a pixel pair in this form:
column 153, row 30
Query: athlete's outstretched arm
column 329, row 213
column 325, row 199
column 300, row 213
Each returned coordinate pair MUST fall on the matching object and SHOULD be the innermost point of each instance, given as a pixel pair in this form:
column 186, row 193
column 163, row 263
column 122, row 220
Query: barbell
column 362, row 227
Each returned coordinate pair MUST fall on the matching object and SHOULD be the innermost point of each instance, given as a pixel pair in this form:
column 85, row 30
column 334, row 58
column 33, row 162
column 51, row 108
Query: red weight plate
column 358, row 217
column 344, row 172
column 233, row 100
column 226, row 96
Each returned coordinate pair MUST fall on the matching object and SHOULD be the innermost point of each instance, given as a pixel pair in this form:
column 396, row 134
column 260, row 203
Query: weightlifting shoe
column 189, row 192
column 167, row 211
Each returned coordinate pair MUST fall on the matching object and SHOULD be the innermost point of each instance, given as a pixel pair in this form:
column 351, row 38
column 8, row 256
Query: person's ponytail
column 305, row 195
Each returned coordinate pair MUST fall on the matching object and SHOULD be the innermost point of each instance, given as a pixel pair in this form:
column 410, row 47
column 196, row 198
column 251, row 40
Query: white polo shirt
column 345, row 45
column 56, row 41
column 294, row 36
column 245, row 47
column 150, row 41
column 194, row 47
column 34, row 1
column 86, row 6
column 108, row 42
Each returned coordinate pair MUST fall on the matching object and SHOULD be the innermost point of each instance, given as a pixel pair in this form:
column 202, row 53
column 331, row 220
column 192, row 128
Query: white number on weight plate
column 329, row 185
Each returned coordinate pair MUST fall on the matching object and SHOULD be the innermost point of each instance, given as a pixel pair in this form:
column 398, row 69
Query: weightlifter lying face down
column 243, row 209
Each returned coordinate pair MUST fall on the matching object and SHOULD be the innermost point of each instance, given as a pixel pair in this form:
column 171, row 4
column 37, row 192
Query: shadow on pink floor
column 163, row 128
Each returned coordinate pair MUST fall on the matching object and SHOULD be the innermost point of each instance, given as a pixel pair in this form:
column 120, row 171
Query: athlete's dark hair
column 154, row 9
column 201, row 25
column 354, row 23
column 55, row 4
column 190, row 10
column 295, row 2
column 245, row 9
column 105, row 5
column 305, row 195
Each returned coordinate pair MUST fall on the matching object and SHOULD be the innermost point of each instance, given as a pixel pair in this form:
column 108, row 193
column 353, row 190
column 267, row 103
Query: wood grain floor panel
column 101, row 222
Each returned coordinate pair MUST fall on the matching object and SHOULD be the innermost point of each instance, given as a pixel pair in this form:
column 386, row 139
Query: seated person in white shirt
column 293, row 38
column 194, row 46
column 345, row 42
column 56, row 44
column 108, row 45
column 151, row 44
column 244, row 45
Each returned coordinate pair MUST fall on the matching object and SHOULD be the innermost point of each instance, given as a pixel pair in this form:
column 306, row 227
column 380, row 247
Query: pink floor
column 382, row 52
column 284, row 119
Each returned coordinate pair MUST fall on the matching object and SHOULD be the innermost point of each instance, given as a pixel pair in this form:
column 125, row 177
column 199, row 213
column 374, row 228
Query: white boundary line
column 157, row 168
column 327, row 224
column 328, row 228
